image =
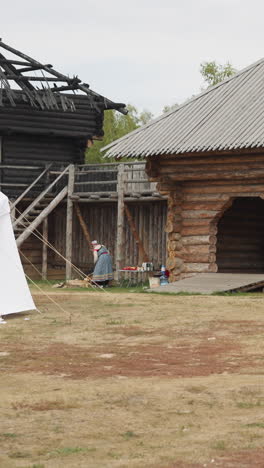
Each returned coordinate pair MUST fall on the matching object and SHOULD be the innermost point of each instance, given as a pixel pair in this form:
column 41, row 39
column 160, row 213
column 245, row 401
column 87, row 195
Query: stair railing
column 12, row 205
column 39, row 197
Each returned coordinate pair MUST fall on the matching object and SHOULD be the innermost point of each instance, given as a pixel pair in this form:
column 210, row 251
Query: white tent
column 14, row 291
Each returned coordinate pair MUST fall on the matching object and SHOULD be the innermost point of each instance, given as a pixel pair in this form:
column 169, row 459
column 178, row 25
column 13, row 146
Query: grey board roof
column 227, row 116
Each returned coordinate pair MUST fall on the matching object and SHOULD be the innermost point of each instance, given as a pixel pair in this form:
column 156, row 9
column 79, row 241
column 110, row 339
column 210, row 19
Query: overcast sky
column 143, row 52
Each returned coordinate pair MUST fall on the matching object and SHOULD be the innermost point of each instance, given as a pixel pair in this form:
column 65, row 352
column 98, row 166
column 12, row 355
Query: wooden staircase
column 39, row 209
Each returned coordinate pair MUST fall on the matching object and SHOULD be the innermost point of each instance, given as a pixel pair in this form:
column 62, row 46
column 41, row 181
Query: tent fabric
column 15, row 295
column 4, row 205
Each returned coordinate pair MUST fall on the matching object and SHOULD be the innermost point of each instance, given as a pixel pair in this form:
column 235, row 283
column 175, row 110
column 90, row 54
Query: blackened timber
column 34, row 78
column 85, row 121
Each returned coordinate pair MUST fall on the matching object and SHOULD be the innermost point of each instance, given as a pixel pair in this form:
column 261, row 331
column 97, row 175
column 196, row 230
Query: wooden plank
column 198, row 240
column 214, row 175
column 142, row 252
column 200, row 267
column 82, row 223
column 31, row 185
column 120, row 219
column 198, row 230
column 40, row 197
column 209, row 159
column 27, row 232
column 232, row 190
column 203, row 205
column 198, row 214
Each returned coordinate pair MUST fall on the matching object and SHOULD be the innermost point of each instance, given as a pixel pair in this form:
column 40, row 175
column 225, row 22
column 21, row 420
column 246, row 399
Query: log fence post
column 69, row 223
column 120, row 238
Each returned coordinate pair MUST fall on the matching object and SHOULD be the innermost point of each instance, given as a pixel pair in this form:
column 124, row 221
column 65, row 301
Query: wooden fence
column 116, row 205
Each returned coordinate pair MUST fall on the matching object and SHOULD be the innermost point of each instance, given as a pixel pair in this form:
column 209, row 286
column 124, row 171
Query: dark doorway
column 240, row 238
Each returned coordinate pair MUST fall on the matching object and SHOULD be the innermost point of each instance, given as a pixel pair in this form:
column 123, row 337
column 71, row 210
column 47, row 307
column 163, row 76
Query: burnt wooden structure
column 47, row 120
column 208, row 159
column 45, row 117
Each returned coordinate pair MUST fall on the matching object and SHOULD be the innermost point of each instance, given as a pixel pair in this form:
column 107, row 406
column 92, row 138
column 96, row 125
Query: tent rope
column 51, row 299
column 40, row 236
column 46, row 242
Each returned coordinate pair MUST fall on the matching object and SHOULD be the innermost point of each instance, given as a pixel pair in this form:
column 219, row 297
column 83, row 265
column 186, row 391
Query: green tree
column 116, row 125
column 169, row 108
column 214, row 73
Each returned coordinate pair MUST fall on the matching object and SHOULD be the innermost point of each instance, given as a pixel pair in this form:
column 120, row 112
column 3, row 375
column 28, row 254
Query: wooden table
column 133, row 277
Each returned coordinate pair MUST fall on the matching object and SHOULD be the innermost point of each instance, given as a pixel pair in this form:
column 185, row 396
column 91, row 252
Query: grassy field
column 125, row 379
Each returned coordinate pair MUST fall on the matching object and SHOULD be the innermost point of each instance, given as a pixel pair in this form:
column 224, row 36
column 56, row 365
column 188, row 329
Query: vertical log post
column 45, row 249
column 69, row 218
column 120, row 238
column 45, row 233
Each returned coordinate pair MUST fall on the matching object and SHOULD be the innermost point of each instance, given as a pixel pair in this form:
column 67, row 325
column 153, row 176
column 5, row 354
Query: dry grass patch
column 45, row 405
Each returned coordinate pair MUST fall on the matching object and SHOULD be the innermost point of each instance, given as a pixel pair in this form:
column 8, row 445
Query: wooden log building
column 46, row 122
column 207, row 156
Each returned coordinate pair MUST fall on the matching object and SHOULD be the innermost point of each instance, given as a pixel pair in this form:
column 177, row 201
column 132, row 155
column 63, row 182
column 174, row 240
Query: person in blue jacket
column 103, row 269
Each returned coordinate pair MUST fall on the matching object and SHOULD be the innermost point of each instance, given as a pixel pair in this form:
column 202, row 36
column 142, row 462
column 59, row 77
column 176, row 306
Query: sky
column 141, row 52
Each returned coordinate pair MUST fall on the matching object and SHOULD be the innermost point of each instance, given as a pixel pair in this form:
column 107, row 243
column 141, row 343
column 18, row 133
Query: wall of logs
column 215, row 220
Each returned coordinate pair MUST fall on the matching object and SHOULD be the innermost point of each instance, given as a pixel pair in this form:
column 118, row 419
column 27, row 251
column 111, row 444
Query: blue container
column 163, row 277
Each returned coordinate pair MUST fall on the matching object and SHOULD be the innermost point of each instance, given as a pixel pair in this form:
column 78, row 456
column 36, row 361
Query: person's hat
column 94, row 242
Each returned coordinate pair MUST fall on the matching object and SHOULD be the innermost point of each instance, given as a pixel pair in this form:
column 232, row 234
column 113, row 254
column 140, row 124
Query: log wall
column 207, row 195
column 101, row 221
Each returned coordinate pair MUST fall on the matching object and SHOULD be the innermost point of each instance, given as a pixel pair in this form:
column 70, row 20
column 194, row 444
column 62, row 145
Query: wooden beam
column 69, row 218
column 27, row 232
column 142, row 252
column 120, row 237
column 82, row 223
column 25, row 78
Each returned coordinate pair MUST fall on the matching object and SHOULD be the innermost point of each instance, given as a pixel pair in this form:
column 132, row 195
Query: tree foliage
column 116, row 125
column 214, row 73
column 169, row 108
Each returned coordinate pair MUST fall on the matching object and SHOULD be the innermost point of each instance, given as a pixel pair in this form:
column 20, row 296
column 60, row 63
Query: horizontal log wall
column 200, row 190
column 85, row 121
column 34, row 151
